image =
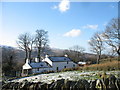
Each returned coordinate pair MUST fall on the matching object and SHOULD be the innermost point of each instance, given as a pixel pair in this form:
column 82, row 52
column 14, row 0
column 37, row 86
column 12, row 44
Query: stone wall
column 110, row 83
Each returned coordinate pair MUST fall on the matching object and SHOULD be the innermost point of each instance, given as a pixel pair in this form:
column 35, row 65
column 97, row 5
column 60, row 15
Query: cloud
column 105, row 23
column 54, row 7
column 73, row 33
column 112, row 6
column 91, row 27
column 88, row 41
column 63, row 6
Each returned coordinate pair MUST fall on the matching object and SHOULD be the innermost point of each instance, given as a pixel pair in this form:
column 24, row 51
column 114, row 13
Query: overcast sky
column 67, row 23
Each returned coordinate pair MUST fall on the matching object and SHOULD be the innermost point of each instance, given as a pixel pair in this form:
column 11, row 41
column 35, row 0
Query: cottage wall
column 61, row 65
column 55, row 65
column 40, row 70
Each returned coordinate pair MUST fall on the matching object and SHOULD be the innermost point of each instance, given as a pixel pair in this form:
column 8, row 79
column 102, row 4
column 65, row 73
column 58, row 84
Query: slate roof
column 59, row 59
column 38, row 65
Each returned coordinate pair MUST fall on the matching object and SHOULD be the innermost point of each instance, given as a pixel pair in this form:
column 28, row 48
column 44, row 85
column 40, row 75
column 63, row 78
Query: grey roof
column 38, row 65
column 59, row 59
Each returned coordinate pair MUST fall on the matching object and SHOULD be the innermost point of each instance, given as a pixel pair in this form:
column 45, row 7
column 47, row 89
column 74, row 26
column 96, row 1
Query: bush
column 70, row 69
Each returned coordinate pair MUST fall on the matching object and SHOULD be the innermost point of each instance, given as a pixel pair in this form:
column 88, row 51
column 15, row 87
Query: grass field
column 105, row 66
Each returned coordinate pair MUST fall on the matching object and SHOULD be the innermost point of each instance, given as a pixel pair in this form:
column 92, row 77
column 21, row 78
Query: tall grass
column 107, row 66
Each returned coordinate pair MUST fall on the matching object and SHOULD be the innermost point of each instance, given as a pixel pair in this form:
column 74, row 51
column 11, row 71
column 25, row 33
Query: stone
column 99, row 84
column 112, row 83
column 67, row 84
column 93, row 85
column 59, row 83
column 117, row 83
column 72, row 85
column 112, row 80
column 106, row 83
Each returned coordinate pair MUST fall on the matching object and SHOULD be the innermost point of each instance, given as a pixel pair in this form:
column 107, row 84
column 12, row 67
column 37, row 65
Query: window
column 73, row 65
column 57, row 68
column 67, row 62
column 37, row 69
column 64, row 66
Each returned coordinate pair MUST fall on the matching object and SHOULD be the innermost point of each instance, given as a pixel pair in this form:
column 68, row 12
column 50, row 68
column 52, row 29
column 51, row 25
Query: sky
column 68, row 23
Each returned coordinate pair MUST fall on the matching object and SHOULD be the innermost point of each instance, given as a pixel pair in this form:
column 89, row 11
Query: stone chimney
column 36, row 60
column 66, row 55
column 46, row 56
column 27, row 61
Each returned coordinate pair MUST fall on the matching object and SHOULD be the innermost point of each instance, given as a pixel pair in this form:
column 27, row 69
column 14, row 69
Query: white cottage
column 59, row 63
column 47, row 64
column 34, row 67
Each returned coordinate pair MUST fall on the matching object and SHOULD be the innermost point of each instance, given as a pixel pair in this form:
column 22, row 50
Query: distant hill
column 50, row 51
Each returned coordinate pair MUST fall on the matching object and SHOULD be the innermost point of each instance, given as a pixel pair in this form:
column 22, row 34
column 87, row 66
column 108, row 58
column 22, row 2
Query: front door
column 57, row 68
column 30, row 71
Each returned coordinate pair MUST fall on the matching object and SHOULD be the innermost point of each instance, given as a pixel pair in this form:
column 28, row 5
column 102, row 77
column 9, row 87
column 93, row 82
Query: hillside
column 20, row 54
column 105, row 66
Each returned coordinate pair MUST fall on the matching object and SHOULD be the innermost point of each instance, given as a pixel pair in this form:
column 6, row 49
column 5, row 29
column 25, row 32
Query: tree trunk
column 26, row 55
column 98, row 58
column 39, row 53
column 30, row 55
column 118, row 52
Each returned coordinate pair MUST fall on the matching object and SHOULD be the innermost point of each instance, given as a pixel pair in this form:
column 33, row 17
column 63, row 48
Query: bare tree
column 110, row 52
column 112, row 34
column 30, row 46
column 77, row 49
column 41, row 41
column 8, row 61
column 25, row 42
column 75, row 53
column 96, row 45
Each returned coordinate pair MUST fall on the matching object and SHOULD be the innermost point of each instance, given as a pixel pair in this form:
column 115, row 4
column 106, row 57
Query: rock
column 112, row 86
column 104, row 76
column 106, row 83
column 7, row 86
column 2, row 82
column 82, row 84
column 93, row 85
column 24, row 84
column 15, row 85
column 32, row 86
column 117, row 83
column 72, row 85
column 58, row 84
column 99, row 84
column 112, row 80
column 52, row 85
column 38, row 86
column 67, row 84
column 85, row 83
column 112, row 83
column 44, row 86
column 79, row 85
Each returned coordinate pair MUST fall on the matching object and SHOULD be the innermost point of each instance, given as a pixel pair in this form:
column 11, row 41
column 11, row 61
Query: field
column 104, row 66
